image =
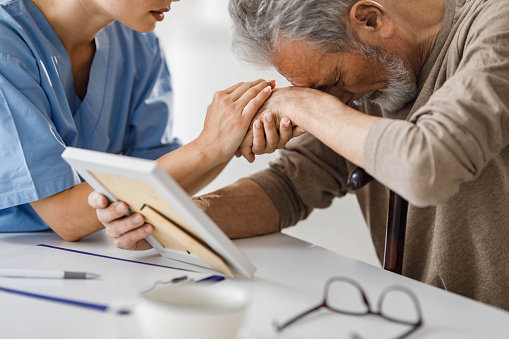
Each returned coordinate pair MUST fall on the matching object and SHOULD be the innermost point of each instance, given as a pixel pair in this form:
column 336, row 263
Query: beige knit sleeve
column 307, row 175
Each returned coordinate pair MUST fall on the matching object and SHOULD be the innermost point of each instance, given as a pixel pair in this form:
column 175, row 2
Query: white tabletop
column 290, row 278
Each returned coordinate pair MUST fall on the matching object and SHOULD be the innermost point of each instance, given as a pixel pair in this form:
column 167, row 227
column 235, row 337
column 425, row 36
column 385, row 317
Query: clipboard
column 182, row 231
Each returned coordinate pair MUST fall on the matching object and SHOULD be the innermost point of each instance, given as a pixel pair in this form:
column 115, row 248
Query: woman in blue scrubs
column 91, row 74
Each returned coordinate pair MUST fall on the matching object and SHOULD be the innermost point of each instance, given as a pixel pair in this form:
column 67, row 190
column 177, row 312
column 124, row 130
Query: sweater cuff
column 280, row 192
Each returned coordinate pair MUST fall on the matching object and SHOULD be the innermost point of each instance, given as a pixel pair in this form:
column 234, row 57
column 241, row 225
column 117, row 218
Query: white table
column 290, row 278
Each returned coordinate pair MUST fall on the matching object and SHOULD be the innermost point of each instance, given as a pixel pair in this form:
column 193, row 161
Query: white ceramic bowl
column 197, row 311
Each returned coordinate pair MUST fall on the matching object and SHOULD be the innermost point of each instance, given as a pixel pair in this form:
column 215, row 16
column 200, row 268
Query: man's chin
column 392, row 98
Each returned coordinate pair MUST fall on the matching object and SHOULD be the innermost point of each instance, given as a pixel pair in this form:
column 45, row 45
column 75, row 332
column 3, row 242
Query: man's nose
column 341, row 94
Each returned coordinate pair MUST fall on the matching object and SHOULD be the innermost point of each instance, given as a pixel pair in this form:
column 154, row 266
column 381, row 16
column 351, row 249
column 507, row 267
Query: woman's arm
column 228, row 118
column 68, row 214
column 192, row 166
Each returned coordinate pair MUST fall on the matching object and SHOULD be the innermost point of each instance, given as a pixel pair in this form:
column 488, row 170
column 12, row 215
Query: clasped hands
column 269, row 129
column 260, row 128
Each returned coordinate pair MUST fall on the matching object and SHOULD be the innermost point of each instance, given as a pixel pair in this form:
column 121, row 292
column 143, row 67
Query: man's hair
column 258, row 26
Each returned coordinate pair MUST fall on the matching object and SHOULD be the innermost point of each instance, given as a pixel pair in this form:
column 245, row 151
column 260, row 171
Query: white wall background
column 196, row 38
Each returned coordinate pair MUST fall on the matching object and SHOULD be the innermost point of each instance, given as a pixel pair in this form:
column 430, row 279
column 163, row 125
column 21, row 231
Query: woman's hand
column 264, row 137
column 229, row 117
column 127, row 232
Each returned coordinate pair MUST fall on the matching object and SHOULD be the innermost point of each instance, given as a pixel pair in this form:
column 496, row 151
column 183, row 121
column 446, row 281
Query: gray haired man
column 415, row 92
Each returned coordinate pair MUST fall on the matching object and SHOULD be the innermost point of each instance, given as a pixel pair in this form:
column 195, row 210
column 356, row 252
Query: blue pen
column 98, row 307
column 60, row 300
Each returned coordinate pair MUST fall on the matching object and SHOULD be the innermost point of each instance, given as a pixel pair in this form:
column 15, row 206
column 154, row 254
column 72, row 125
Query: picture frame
column 182, row 231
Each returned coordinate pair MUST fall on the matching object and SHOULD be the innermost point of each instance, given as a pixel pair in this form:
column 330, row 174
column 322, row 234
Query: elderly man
column 417, row 93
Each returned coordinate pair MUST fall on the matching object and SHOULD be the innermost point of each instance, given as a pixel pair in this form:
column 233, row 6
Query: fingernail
column 267, row 89
column 257, row 124
column 286, row 122
column 120, row 208
column 137, row 219
column 148, row 229
column 268, row 117
column 99, row 202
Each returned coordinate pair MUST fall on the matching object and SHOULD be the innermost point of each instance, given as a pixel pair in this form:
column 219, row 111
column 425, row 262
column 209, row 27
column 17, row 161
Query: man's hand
column 271, row 128
column 127, row 232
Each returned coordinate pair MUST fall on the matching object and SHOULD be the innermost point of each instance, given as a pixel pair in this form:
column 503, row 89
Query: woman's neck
column 76, row 22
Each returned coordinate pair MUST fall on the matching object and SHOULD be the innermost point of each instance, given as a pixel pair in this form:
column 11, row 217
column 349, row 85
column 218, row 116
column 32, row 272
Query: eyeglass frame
column 385, row 292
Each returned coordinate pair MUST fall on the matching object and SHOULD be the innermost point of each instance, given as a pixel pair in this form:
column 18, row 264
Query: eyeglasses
column 389, row 301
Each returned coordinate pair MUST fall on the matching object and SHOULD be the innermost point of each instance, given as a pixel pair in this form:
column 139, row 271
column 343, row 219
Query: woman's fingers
column 232, row 88
column 253, row 105
column 249, row 90
column 246, row 146
column 243, row 88
column 126, row 231
column 134, row 240
column 269, row 138
column 271, row 134
column 258, row 138
column 285, row 132
column 234, row 92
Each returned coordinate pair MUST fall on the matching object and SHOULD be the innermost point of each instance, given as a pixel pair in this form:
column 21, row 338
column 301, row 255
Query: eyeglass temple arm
column 297, row 317
column 401, row 336
column 396, row 222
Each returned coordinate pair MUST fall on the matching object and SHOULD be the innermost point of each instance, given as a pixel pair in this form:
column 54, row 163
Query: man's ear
column 370, row 22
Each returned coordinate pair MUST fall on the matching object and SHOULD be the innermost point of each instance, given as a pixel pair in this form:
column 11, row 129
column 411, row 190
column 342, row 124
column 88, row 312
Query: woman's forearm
column 192, row 166
column 68, row 213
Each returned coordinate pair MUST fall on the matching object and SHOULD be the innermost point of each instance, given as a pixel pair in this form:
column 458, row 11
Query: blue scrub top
column 126, row 109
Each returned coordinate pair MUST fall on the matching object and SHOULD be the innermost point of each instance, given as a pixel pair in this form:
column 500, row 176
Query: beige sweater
column 446, row 152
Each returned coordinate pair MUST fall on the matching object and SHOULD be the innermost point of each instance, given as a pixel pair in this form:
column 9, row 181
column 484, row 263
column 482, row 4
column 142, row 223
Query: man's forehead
column 298, row 78
column 303, row 65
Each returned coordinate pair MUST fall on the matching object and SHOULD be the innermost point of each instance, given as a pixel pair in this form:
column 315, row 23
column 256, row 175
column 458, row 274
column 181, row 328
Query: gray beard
column 401, row 89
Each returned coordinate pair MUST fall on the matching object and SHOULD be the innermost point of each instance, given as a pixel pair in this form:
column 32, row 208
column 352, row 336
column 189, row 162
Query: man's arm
column 241, row 210
column 337, row 125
